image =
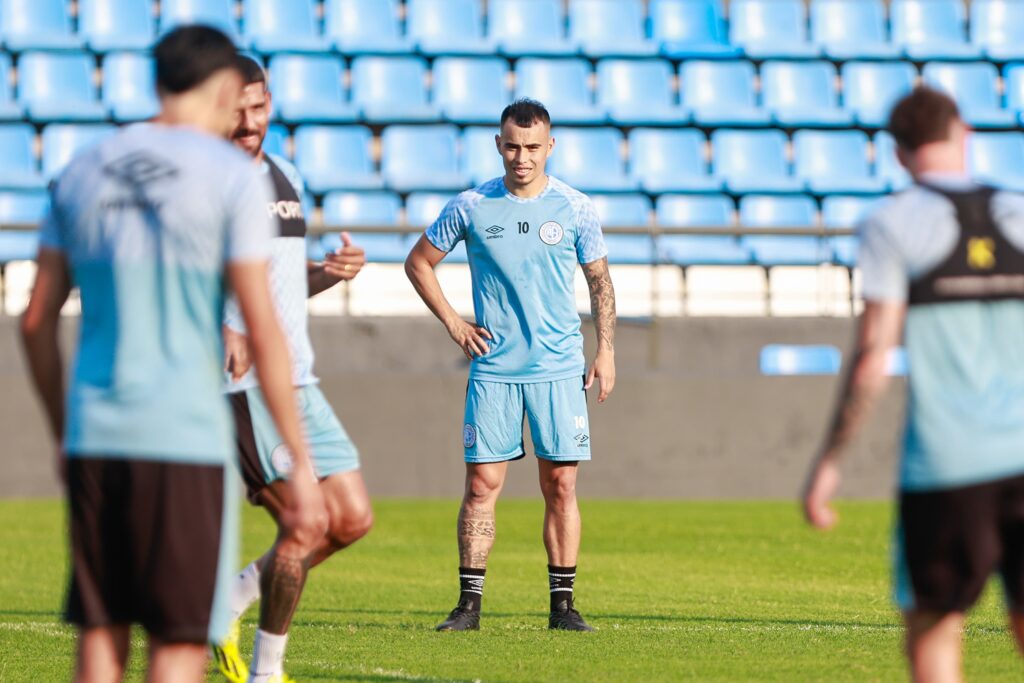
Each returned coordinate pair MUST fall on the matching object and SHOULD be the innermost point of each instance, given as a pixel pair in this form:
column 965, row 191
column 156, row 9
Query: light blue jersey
column 147, row 219
column 523, row 255
column 965, row 414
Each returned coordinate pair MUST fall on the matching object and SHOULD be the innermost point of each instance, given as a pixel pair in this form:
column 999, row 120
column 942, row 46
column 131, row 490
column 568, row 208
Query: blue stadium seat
column 108, row 25
column 845, row 211
column 10, row 110
column 129, row 89
column 638, row 92
column 535, row 28
column 346, row 209
column 471, row 89
column 871, row 88
column 834, row 162
column 752, row 161
column 710, row 211
column 721, row 94
column 631, row 250
column 610, row 28
column 18, row 246
column 18, row 167
column 622, row 210
column 22, row 207
column 845, row 249
column 447, row 27
column 381, row 247
column 1013, row 82
column 309, row 88
column 766, row 211
column 282, row 26
column 931, row 29
column 590, row 159
column 61, row 141
column 58, row 86
column 336, row 158
column 275, row 141
column 690, row 29
column 780, row 359
column 997, row 27
column 480, row 158
column 975, row 88
column 422, row 209
column 852, row 29
column 36, row 25
column 997, row 158
column 365, row 27
column 887, row 166
column 422, row 158
column 771, row 28
column 802, row 94
column 390, row 89
column 562, row 85
column 670, row 161
column 218, row 13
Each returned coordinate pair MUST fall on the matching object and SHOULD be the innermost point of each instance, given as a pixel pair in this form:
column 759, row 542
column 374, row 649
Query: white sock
column 245, row 590
column 268, row 653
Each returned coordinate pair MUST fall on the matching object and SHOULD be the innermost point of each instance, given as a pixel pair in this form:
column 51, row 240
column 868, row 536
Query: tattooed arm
column 602, row 307
column 880, row 329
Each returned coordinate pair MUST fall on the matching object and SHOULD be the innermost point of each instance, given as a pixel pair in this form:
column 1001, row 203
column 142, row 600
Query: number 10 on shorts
column 581, row 422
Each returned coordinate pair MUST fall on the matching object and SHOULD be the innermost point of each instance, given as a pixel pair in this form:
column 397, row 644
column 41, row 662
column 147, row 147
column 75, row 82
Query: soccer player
column 943, row 268
column 264, row 455
column 151, row 224
column 524, row 233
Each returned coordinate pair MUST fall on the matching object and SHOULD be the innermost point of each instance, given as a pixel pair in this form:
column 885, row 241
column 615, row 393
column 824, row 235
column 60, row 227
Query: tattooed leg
column 281, row 584
column 476, row 527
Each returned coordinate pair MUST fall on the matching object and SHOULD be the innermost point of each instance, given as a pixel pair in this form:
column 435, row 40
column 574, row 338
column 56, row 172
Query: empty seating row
column 840, row 29
column 307, row 88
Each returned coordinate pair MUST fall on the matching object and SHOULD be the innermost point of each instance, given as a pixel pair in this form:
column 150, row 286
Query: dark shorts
column 951, row 541
column 145, row 545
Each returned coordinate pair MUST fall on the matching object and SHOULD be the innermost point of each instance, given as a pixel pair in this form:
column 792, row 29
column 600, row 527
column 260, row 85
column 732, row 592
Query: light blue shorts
column 557, row 413
column 263, row 456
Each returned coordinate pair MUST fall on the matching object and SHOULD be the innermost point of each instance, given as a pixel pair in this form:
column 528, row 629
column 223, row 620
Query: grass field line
column 54, row 630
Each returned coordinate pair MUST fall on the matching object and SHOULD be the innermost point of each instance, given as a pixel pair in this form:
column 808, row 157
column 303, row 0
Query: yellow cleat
column 229, row 657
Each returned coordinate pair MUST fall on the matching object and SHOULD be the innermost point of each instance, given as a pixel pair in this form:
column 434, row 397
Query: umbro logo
column 140, row 168
column 582, row 440
column 494, row 231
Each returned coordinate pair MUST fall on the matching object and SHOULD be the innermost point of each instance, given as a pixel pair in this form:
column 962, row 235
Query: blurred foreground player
column 151, row 224
column 279, row 575
column 524, row 233
column 943, row 267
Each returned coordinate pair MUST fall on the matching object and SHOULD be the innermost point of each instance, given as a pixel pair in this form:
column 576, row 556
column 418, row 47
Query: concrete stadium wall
column 690, row 417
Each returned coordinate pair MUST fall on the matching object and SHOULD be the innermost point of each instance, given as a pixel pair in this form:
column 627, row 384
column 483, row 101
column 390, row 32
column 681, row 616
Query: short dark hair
column 524, row 112
column 251, row 70
column 188, row 55
column 922, row 117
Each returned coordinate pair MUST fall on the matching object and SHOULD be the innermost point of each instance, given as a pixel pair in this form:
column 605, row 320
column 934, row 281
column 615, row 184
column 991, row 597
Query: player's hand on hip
column 305, row 517
column 346, row 262
column 237, row 355
column 602, row 369
column 819, row 491
column 472, row 339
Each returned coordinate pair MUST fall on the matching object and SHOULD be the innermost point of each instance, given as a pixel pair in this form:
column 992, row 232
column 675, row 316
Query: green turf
column 706, row 591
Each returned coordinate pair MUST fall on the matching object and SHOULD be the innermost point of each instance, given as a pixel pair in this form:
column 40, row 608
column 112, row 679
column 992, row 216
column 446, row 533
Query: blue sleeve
column 50, row 232
column 590, row 245
column 249, row 226
column 884, row 272
column 450, row 226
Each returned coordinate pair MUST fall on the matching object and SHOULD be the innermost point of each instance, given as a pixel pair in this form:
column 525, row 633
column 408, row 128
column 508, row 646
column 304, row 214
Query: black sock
column 471, row 586
column 561, row 580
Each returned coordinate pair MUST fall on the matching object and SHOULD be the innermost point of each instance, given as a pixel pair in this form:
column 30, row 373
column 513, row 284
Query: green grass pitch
column 703, row 591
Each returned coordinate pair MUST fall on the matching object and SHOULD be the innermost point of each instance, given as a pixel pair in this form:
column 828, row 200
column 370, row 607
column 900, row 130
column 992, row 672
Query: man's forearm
column 425, row 282
column 602, row 303
column 319, row 280
column 46, row 368
column 862, row 390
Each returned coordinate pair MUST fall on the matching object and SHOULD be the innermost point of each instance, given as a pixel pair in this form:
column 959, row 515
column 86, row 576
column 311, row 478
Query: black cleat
column 462, row 618
column 565, row 618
